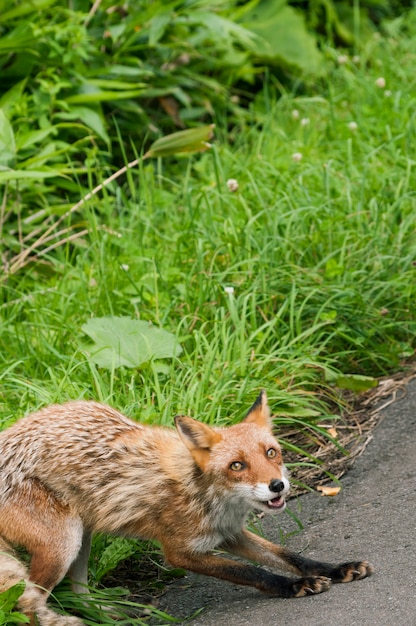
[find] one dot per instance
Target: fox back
(120, 476)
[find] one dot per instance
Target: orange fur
(70, 470)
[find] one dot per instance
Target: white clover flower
(229, 290)
(125, 267)
(342, 59)
(305, 121)
(297, 156)
(295, 114)
(232, 185)
(353, 126)
(380, 82)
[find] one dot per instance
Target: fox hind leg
(34, 518)
(52, 558)
(32, 602)
(78, 572)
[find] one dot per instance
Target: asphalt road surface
(373, 518)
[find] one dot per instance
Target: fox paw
(310, 585)
(50, 618)
(347, 572)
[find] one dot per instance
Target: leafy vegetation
(8, 600)
(121, 341)
(282, 257)
(77, 77)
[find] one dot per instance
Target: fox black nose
(276, 485)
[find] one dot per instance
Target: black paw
(310, 585)
(347, 572)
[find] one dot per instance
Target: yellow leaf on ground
(328, 491)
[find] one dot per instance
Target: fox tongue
(276, 502)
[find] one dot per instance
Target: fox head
(245, 460)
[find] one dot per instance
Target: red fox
(70, 470)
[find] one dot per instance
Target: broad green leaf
(190, 140)
(13, 618)
(102, 96)
(20, 38)
(6, 175)
(296, 411)
(122, 341)
(7, 141)
(225, 31)
(158, 26)
(105, 83)
(116, 31)
(32, 137)
(9, 598)
(129, 71)
(282, 36)
(90, 118)
(13, 95)
(118, 550)
(23, 8)
(355, 382)
(333, 268)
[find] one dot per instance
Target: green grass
(320, 254)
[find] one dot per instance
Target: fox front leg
(255, 548)
(250, 575)
(340, 573)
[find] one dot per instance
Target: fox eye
(271, 453)
(237, 466)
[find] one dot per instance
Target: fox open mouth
(276, 503)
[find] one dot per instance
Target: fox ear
(196, 435)
(198, 438)
(259, 413)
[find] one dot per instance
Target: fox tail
(32, 601)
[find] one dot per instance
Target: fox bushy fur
(71, 470)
